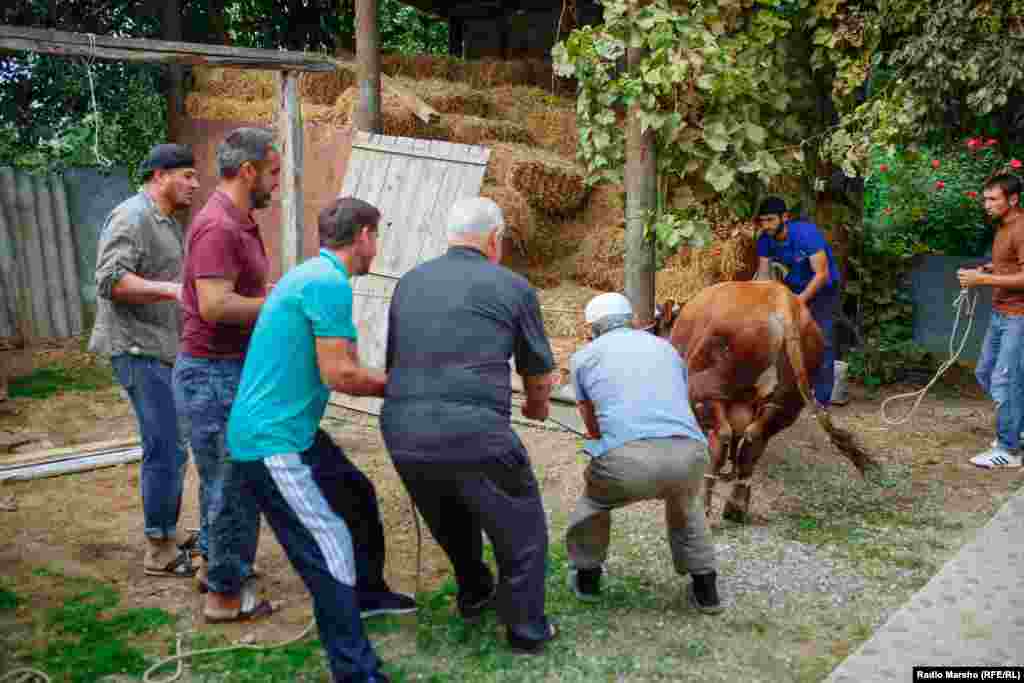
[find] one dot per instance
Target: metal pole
(641, 197)
(368, 116)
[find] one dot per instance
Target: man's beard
(260, 198)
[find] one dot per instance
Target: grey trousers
(671, 470)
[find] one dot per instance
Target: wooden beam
(292, 204)
(63, 43)
(368, 111)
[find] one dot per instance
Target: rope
(100, 159)
(24, 675)
(180, 656)
(966, 302)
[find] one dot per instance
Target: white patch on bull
(769, 379)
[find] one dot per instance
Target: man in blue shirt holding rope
(812, 275)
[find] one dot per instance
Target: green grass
(53, 379)
(88, 635)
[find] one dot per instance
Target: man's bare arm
(589, 416)
(132, 289)
(538, 396)
(764, 268)
(819, 262)
(338, 361)
(219, 303)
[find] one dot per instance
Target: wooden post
(175, 95)
(641, 198)
(292, 204)
(368, 113)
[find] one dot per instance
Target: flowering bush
(922, 200)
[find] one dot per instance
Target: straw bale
(472, 130)
(449, 98)
(504, 155)
(324, 88)
(519, 219)
(517, 102)
(396, 119)
(215, 108)
(555, 187)
(554, 129)
(600, 261)
(237, 84)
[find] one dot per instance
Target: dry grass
(520, 222)
(555, 130)
(472, 130)
(450, 98)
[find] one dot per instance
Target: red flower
(935, 163)
(887, 211)
(884, 168)
(939, 185)
(974, 143)
(972, 194)
(990, 142)
(1016, 163)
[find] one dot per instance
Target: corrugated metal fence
(39, 281)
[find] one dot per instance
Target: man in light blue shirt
(322, 508)
(631, 388)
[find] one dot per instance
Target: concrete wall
(934, 288)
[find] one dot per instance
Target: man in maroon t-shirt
(223, 289)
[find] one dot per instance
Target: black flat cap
(167, 157)
(772, 205)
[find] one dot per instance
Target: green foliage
(8, 599)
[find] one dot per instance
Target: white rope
(100, 159)
(25, 676)
(965, 303)
(180, 656)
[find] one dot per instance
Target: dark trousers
(319, 547)
(352, 497)
(458, 502)
(823, 309)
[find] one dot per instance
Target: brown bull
(751, 348)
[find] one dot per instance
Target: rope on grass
(964, 305)
(180, 657)
(25, 675)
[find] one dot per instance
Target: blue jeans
(999, 373)
(823, 310)
(163, 431)
(318, 544)
(229, 531)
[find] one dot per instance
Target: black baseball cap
(167, 157)
(772, 205)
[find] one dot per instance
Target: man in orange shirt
(999, 368)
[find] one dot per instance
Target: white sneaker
(996, 458)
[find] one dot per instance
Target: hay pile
(479, 74)
(691, 270)
(472, 130)
(520, 222)
(396, 119)
(235, 84)
(450, 98)
(548, 181)
(554, 129)
(259, 112)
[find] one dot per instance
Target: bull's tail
(842, 439)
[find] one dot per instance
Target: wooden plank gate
(414, 183)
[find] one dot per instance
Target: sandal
(180, 567)
(250, 609)
(191, 544)
(204, 587)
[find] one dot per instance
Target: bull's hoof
(735, 513)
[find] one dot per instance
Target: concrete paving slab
(970, 614)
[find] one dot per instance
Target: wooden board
(19, 459)
(413, 183)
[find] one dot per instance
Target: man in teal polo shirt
(322, 509)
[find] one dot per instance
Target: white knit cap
(604, 305)
(474, 216)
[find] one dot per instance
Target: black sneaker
(472, 606)
(527, 646)
(374, 604)
(703, 593)
(586, 583)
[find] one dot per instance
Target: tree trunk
(641, 199)
(368, 115)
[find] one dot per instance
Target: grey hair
(610, 322)
(474, 217)
(242, 145)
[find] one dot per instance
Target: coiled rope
(964, 304)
